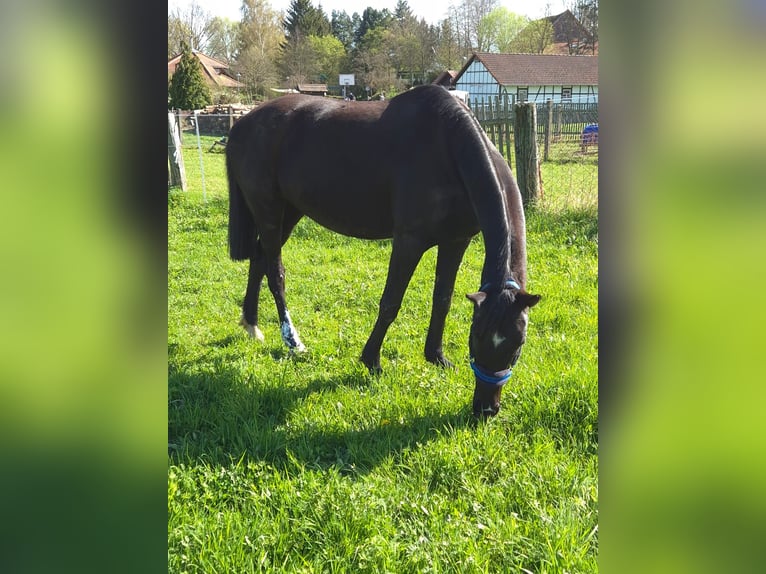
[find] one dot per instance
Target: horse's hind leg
(405, 256)
(272, 239)
(250, 306)
(447, 264)
(258, 268)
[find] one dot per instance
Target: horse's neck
(496, 230)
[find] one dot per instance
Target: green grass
(309, 464)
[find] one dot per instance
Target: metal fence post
(201, 163)
(548, 129)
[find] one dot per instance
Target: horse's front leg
(406, 252)
(447, 264)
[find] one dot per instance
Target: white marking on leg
(252, 330)
(290, 335)
(497, 339)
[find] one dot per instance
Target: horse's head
(498, 331)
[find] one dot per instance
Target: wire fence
(566, 131)
(567, 138)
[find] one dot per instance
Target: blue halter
(501, 377)
(509, 284)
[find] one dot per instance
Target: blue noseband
(499, 378)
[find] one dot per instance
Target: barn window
(522, 94)
(566, 93)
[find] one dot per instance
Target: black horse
(424, 173)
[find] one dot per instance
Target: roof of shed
(312, 88)
(538, 69)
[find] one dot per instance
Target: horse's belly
(351, 212)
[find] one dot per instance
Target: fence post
(548, 129)
(231, 117)
(175, 154)
(527, 159)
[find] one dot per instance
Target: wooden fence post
(175, 154)
(527, 159)
(231, 117)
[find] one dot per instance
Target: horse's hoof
(372, 365)
(298, 349)
(252, 330)
(440, 361)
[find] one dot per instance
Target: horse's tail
(241, 225)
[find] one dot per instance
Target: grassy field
(310, 464)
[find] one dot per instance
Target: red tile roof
(215, 71)
(538, 69)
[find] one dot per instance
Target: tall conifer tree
(187, 89)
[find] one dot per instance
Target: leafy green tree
(465, 18)
(499, 28)
(372, 60)
(449, 55)
(224, 39)
(413, 45)
(302, 21)
(372, 19)
(536, 38)
(188, 90)
(260, 37)
(329, 55)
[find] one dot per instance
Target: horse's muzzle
(486, 399)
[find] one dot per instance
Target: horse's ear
(477, 298)
(528, 300)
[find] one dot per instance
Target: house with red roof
(529, 77)
(216, 73)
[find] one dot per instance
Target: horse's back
(359, 168)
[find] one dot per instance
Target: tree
(449, 54)
(372, 60)
(191, 26)
(586, 12)
(536, 38)
(302, 21)
(499, 28)
(413, 45)
(188, 90)
(372, 19)
(342, 27)
(466, 18)
(329, 54)
(223, 43)
(260, 37)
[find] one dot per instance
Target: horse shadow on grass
(220, 416)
